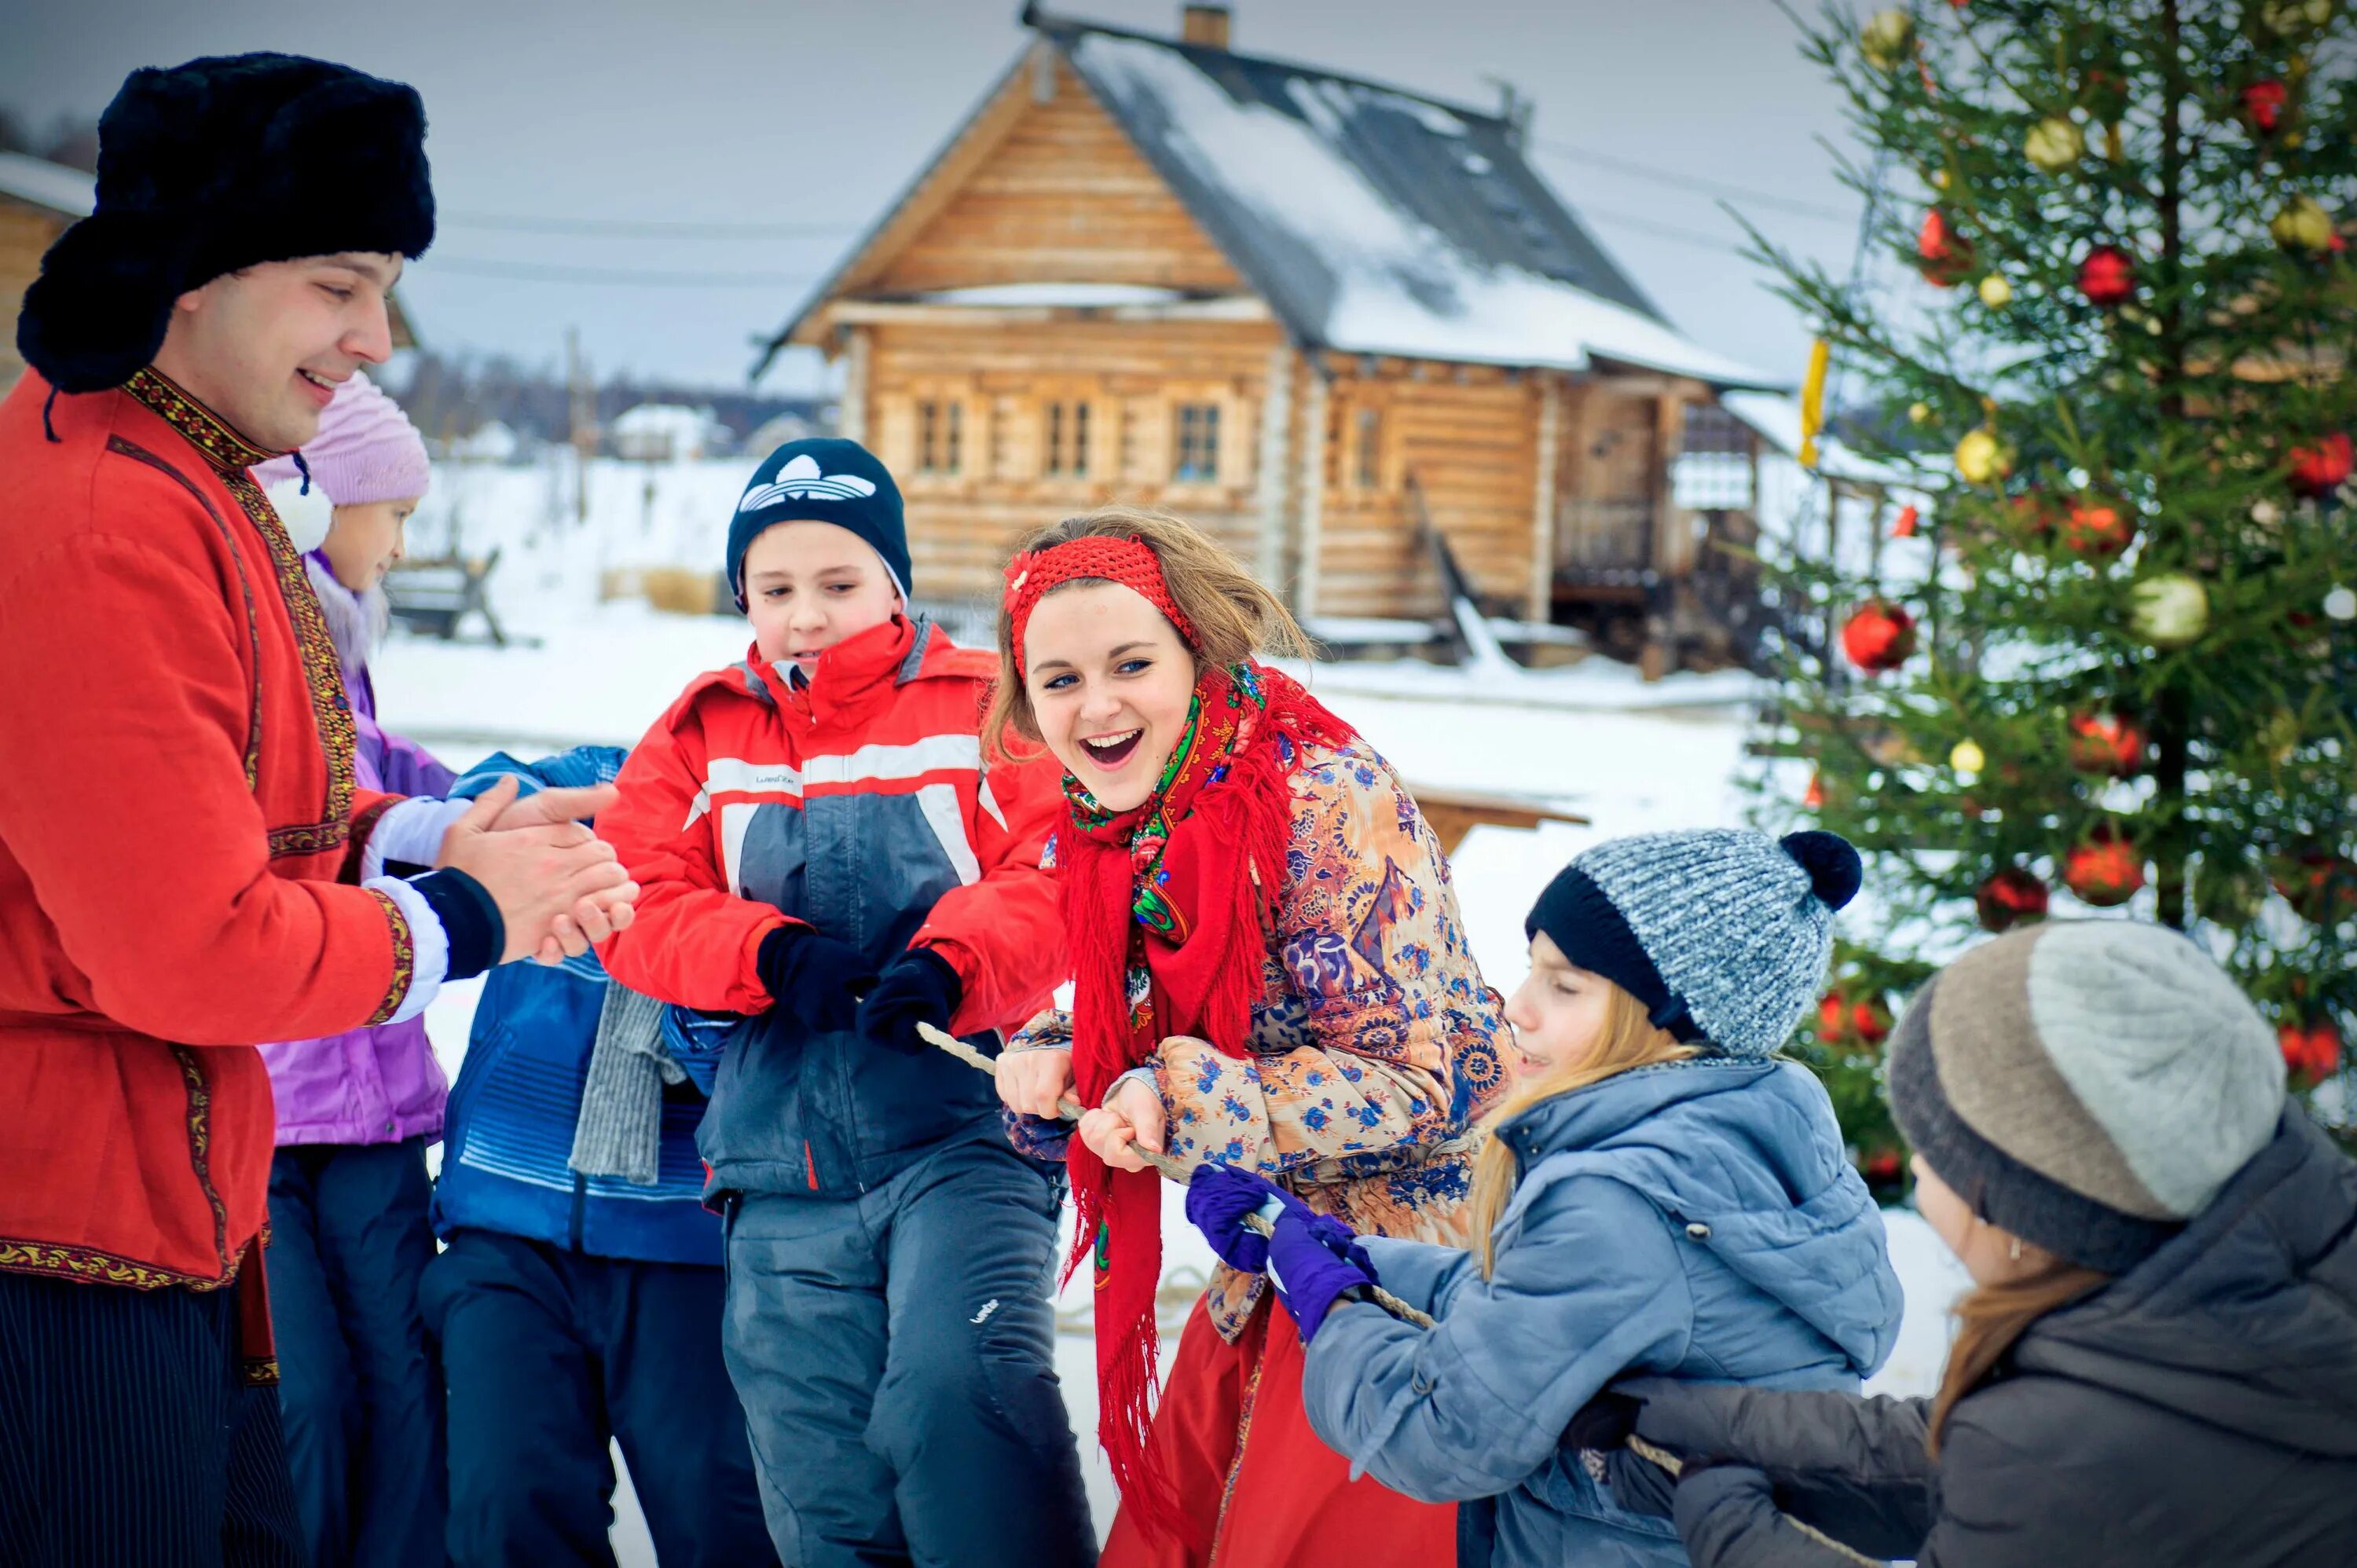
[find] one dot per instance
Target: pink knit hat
(366, 450)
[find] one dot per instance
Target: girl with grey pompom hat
(1661, 1194)
(2157, 1366)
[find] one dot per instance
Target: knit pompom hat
(366, 450)
(1724, 935)
(2088, 1085)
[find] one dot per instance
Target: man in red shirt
(187, 866)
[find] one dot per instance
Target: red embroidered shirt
(176, 810)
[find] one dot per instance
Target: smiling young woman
(1269, 969)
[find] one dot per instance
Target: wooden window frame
(1206, 444)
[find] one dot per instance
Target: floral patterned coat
(1374, 1046)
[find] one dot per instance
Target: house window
(1198, 443)
(939, 436)
(1368, 452)
(1068, 439)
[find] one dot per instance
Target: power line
(1661, 230)
(665, 227)
(1696, 183)
(527, 272)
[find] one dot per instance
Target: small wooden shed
(38, 201)
(1323, 316)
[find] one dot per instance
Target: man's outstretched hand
(551, 808)
(558, 885)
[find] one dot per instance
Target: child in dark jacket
(1660, 1193)
(578, 1298)
(820, 850)
(2158, 1364)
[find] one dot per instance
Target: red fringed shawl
(1167, 908)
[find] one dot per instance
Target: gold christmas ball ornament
(1982, 458)
(1967, 756)
(2171, 610)
(1885, 37)
(1918, 413)
(2286, 17)
(1996, 293)
(2054, 144)
(2303, 225)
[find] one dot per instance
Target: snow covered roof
(1372, 220)
(45, 184)
(1777, 418)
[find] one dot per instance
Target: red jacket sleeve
(1003, 932)
(691, 940)
(122, 796)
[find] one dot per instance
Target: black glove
(1727, 1515)
(813, 978)
(918, 988)
(1604, 1422)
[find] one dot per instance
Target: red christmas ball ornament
(1844, 1021)
(2107, 276)
(2320, 886)
(2099, 526)
(2312, 1052)
(2319, 470)
(2106, 743)
(1881, 1167)
(1879, 637)
(1904, 525)
(1943, 256)
(2105, 869)
(2010, 896)
(2263, 105)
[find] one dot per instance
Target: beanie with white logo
(821, 480)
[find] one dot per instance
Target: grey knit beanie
(2086, 1085)
(1722, 933)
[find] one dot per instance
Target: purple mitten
(1313, 1261)
(1219, 1198)
(1037, 1137)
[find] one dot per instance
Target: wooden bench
(1453, 813)
(434, 595)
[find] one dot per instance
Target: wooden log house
(1320, 316)
(38, 201)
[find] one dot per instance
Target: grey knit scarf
(619, 1131)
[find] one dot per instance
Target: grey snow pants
(894, 1354)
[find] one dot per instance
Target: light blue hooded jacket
(1697, 1219)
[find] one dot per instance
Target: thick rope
(1180, 1172)
(1176, 1170)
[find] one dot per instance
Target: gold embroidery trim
(94, 1267)
(231, 455)
(200, 1150)
(404, 959)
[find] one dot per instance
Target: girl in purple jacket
(358, 1392)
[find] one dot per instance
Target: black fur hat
(213, 166)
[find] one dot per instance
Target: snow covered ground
(1589, 738)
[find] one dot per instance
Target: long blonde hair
(1628, 1040)
(1235, 614)
(1991, 1317)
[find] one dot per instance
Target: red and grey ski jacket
(857, 803)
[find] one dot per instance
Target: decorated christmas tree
(2103, 655)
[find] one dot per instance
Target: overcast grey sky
(793, 112)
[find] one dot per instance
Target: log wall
(1062, 198)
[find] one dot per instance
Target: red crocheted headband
(1129, 562)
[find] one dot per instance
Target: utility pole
(581, 422)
